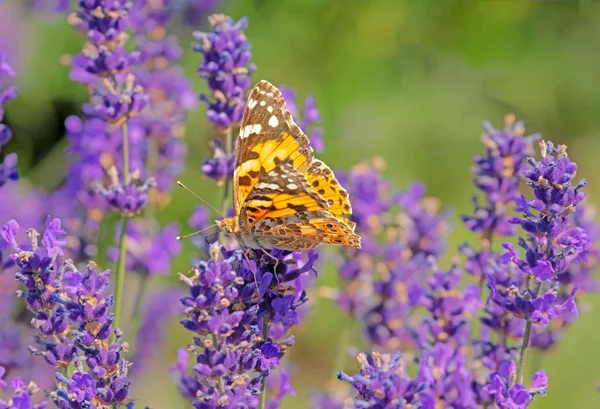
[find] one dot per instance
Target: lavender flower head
(8, 168)
(552, 244)
(105, 66)
(497, 176)
(226, 68)
(73, 320)
(230, 312)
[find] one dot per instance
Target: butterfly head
(228, 225)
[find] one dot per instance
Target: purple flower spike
(229, 306)
(497, 177)
(227, 69)
(73, 318)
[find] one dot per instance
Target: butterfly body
(283, 197)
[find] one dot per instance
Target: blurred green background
(410, 81)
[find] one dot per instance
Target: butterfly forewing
(268, 136)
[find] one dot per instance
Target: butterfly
(283, 197)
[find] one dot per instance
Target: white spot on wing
(269, 108)
(273, 121)
(262, 103)
(250, 129)
(292, 186)
(270, 186)
(252, 103)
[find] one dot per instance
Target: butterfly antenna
(202, 200)
(195, 233)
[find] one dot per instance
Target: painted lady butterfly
(283, 198)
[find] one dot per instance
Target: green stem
(525, 344)
(120, 274)
(123, 238)
(262, 399)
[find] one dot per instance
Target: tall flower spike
(72, 315)
(551, 244)
(103, 148)
(497, 176)
(226, 68)
(234, 349)
(8, 168)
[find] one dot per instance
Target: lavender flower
(310, 117)
(552, 243)
(497, 176)
(231, 313)
(73, 320)
(226, 68)
(8, 168)
(105, 66)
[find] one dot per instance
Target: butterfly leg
(277, 261)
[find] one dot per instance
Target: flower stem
(525, 344)
(123, 237)
(262, 399)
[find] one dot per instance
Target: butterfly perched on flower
(283, 197)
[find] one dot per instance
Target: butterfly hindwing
(268, 136)
(304, 231)
(321, 180)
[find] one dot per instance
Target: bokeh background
(409, 81)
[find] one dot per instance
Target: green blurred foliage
(407, 80)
